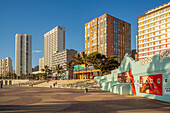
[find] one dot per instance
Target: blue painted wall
(157, 66)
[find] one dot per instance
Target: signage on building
(167, 90)
(146, 60)
(165, 54)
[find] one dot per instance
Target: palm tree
(46, 69)
(69, 66)
(85, 61)
(59, 69)
(102, 63)
(77, 59)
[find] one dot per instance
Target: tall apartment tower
(109, 36)
(153, 34)
(54, 40)
(23, 54)
(6, 66)
(41, 63)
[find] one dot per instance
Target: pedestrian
(1, 84)
(54, 84)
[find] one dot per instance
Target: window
(156, 28)
(162, 11)
(150, 53)
(145, 45)
(150, 20)
(145, 36)
(150, 29)
(158, 80)
(156, 13)
(162, 16)
(162, 46)
(163, 36)
(168, 19)
(156, 23)
(162, 26)
(150, 15)
(150, 44)
(140, 19)
(168, 40)
(151, 81)
(163, 31)
(168, 45)
(162, 41)
(150, 48)
(140, 37)
(162, 21)
(140, 23)
(157, 47)
(156, 18)
(150, 39)
(145, 27)
(145, 49)
(157, 52)
(144, 31)
(145, 17)
(145, 22)
(168, 9)
(150, 34)
(150, 25)
(156, 38)
(156, 43)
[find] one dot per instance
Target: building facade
(109, 36)
(54, 40)
(148, 77)
(5, 66)
(63, 57)
(36, 68)
(153, 34)
(23, 54)
(41, 63)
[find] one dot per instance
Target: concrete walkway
(34, 99)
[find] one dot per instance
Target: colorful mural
(146, 78)
(151, 84)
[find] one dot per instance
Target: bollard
(86, 90)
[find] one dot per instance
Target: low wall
(7, 81)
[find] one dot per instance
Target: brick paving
(18, 99)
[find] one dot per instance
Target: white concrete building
(153, 34)
(41, 63)
(23, 54)
(54, 40)
(6, 66)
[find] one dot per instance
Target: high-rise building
(36, 68)
(6, 66)
(41, 63)
(108, 35)
(54, 40)
(153, 34)
(63, 57)
(23, 54)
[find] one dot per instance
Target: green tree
(59, 69)
(77, 59)
(69, 66)
(102, 63)
(46, 69)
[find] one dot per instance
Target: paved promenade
(18, 99)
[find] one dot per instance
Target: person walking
(1, 84)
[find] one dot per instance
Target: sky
(37, 17)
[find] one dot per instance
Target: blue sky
(37, 17)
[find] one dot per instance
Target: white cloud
(37, 51)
